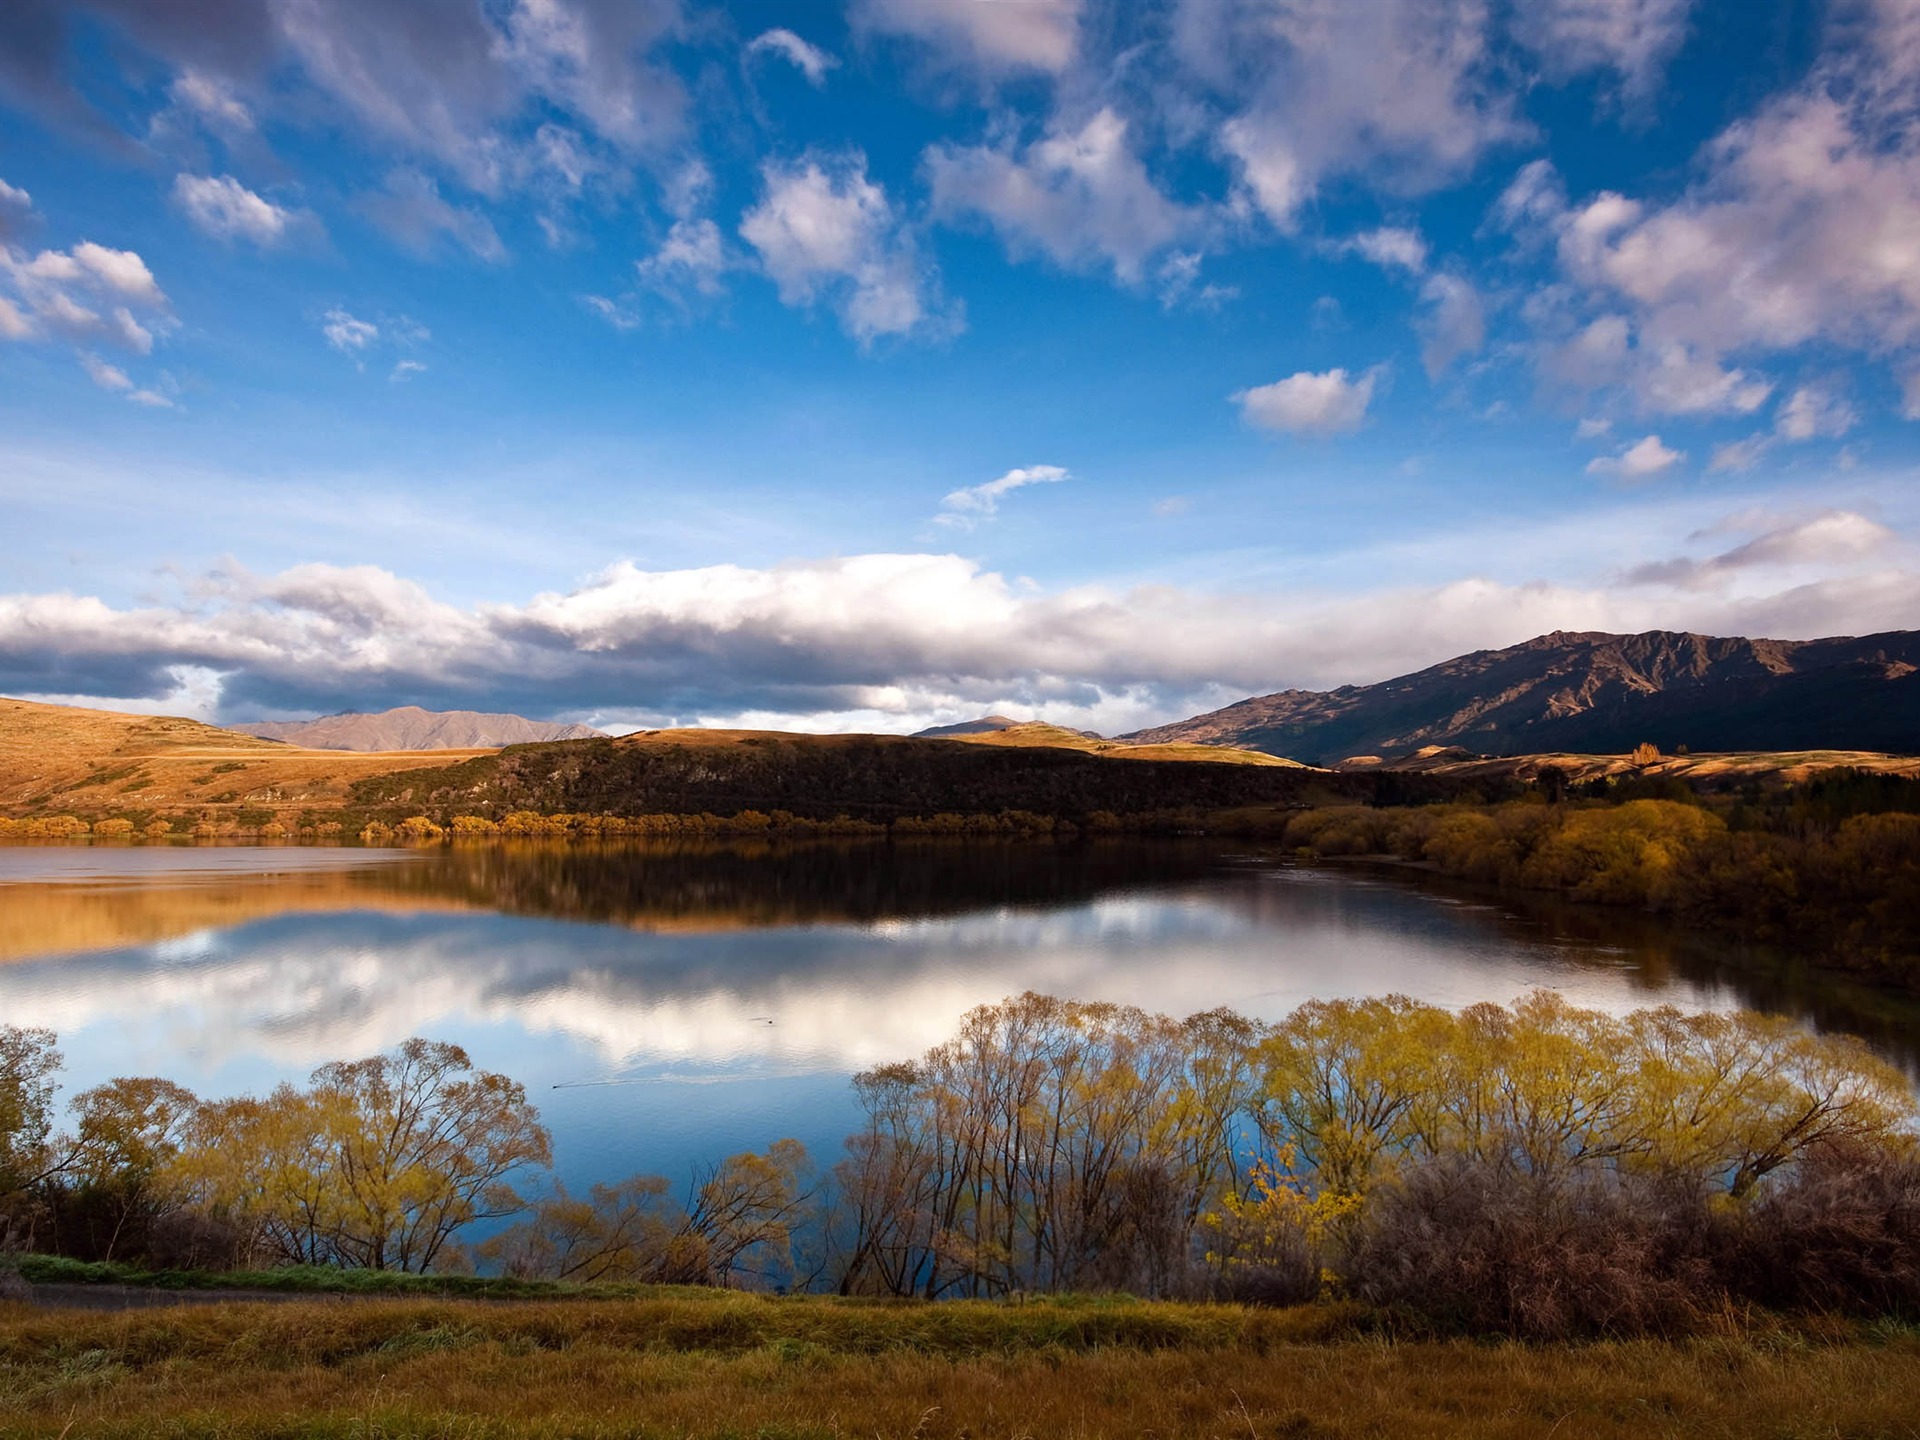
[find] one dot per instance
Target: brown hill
(1061, 738)
(102, 762)
(1599, 693)
(411, 728)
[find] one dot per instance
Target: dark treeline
(1830, 867)
(1536, 1169)
(869, 778)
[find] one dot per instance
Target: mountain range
(1598, 693)
(411, 728)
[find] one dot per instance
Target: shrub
(1480, 1247)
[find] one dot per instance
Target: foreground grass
(720, 1365)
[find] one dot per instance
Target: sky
(869, 364)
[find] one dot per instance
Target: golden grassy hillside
(1784, 766)
(93, 762)
(1057, 738)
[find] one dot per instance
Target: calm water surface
(668, 1006)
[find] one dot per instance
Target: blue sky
(873, 364)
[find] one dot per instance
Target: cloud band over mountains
(889, 641)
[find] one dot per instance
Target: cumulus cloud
(975, 503)
(1642, 460)
(998, 37)
(1391, 247)
(1327, 403)
(822, 229)
(1800, 230)
(86, 295)
(1661, 378)
(809, 60)
(895, 638)
(1078, 196)
(1398, 91)
(225, 209)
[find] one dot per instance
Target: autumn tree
(28, 1157)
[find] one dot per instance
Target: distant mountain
(1599, 694)
(994, 725)
(985, 725)
(411, 728)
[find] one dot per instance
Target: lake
(668, 1006)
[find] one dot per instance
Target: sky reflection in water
(632, 991)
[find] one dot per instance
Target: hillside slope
(410, 728)
(1599, 693)
(57, 758)
(866, 777)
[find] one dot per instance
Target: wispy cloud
(967, 508)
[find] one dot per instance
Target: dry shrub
(1841, 1235)
(1481, 1248)
(1340, 830)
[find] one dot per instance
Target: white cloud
(1814, 412)
(1078, 196)
(1642, 460)
(227, 210)
(907, 636)
(212, 101)
(1400, 92)
(1803, 228)
(16, 211)
(107, 377)
(1635, 38)
(1178, 282)
(1592, 428)
(1832, 537)
(1454, 323)
(823, 229)
(1663, 379)
(1328, 403)
(1391, 247)
(1739, 456)
(86, 296)
(404, 370)
(995, 36)
(615, 312)
(411, 209)
(693, 256)
(346, 334)
(810, 60)
(975, 503)
(1910, 395)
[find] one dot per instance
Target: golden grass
(92, 762)
(1785, 766)
(748, 1366)
(1054, 737)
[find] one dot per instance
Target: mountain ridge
(1599, 692)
